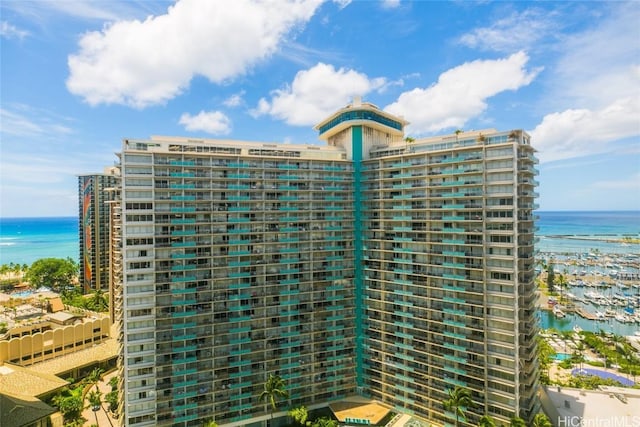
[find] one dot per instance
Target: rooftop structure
(608, 406)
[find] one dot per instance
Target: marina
(601, 290)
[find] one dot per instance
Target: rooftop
(607, 406)
(16, 411)
(98, 353)
(18, 381)
(363, 410)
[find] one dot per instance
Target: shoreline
(633, 239)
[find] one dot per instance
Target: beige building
(48, 338)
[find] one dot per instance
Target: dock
(583, 313)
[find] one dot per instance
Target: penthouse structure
(375, 265)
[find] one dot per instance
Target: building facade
(94, 193)
(374, 265)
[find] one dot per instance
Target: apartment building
(94, 191)
(373, 265)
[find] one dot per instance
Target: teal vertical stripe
(356, 145)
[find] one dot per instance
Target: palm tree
(459, 400)
(562, 283)
(95, 402)
(299, 415)
(550, 277)
(627, 355)
(579, 352)
(325, 422)
(517, 422)
(486, 421)
(274, 389)
(70, 404)
(541, 420)
(98, 301)
(94, 377)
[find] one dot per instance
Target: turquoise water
(25, 240)
(618, 223)
(562, 356)
(590, 224)
(548, 320)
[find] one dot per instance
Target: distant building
(376, 265)
(94, 191)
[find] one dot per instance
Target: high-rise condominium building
(94, 193)
(386, 267)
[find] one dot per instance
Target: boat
(600, 315)
(609, 312)
(558, 312)
(577, 329)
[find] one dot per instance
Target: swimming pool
(562, 356)
(22, 294)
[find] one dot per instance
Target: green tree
(562, 283)
(112, 399)
(94, 376)
(579, 351)
(551, 276)
(629, 358)
(458, 402)
(210, 423)
(546, 354)
(70, 404)
(95, 402)
(274, 389)
(517, 422)
(54, 273)
(324, 422)
(486, 421)
(300, 415)
(113, 382)
(541, 420)
(98, 301)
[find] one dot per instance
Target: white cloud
(141, 63)
(315, 93)
(631, 183)
(41, 123)
(234, 100)
(213, 122)
(594, 91)
(9, 31)
(42, 11)
(581, 132)
(390, 4)
(461, 93)
(601, 64)
(520, 30)
(342, 3)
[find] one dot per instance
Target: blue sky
(79, 76)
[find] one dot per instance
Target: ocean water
(576, 232)
(592, 223)
(24, 240)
